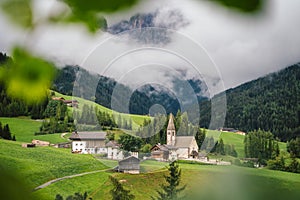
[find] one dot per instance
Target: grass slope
(236, 140)
(202, 182)
(41, 164)
(24, 129)
(137, 120)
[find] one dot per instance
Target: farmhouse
(70, 103)
(113, 151)
(232, 130)
(129, 165)
(177, 147)
(88, 142)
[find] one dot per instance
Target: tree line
(262, 146)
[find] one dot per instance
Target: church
(177, 147)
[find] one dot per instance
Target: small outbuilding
(129, 165)
(40, 143)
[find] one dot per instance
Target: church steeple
(171, 131)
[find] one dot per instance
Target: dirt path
(63, 135)
(66, 177)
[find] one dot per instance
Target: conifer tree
(118, 192)
(171, 190)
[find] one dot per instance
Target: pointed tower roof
(171, 125)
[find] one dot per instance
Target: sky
(216, 43)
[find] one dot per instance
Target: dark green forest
(271, 103)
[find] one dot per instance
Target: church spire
(171, 132)
(171, 125)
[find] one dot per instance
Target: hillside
(141, 99)
(41, 164)
(269, 103)
(136, 119)
(24, 129)
(203, 182)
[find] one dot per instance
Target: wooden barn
(129, 165)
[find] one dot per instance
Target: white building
(94, 143)
(88, 142)
(113, 151)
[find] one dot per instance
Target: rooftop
(183, 141)
(88, 135)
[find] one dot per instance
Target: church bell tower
(171, 132)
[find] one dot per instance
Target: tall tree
(171, 190)
(130, 143)
(6, 132)
(200, 136)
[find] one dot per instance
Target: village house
(88, 142)
(129, 165)
(177, 147)
(113, 151)
(95, 143)
(70, 103)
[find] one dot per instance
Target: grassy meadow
(24, 128)
(202, 182)
(41, 164)
(236, 140)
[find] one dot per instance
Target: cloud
(243, 47)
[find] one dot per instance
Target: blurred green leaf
(87, 12)
(242, 5)
(19, 11)
(27, 77)
(80, 6)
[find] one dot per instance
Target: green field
(202, 182)
(236, 140)
(41, 164)
(24, 129)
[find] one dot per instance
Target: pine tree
(6, 132)
(118, 192)
(171, 190)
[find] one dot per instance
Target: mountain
(269, 103)
(138, 27)
(73, 80)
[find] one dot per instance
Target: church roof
(183, 141)
(171, 125)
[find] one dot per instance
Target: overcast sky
(217, 42)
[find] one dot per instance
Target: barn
(129, 165)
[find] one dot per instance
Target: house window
(80, 144)
(76, 144)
